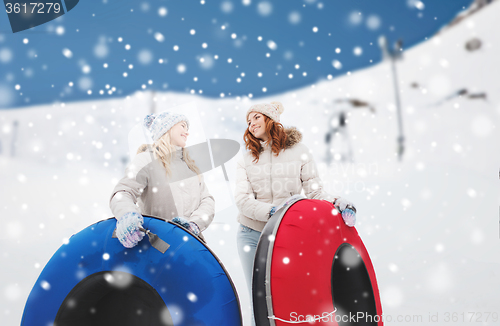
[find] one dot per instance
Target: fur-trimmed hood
(293, 137)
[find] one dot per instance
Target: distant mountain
(474, 7)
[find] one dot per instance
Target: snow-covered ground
(429, 221)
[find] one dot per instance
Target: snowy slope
(429, 222)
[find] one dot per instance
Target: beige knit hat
(272, 110)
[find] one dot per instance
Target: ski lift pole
(401, 139)
(393, 56)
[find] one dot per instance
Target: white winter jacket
(273, 179)
(183, 193)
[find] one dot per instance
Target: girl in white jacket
(164, 181)
(274, 170)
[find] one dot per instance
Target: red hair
(275, 134)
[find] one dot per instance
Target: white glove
(127, 229)
(191, 226)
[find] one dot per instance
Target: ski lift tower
(393, 56)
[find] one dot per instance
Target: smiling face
(257, 125)
(179, 134)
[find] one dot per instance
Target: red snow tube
(309, 264)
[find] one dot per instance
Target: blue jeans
(247, 240)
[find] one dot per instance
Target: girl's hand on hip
(287, 202)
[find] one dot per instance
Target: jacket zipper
(271, 174)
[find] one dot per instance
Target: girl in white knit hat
(164, 181)
(272, 173)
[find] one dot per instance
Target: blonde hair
(164, 150)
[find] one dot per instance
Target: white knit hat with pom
(273, 110)
(162, 122)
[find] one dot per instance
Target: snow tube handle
(155, 241)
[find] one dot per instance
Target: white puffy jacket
(273, 179)
(146, 183)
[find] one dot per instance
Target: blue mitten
(347, 209)
(127, 229)
(272, 211)
(291, 200)
(349, 217)
(191, 226)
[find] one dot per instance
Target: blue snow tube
(94, 280)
